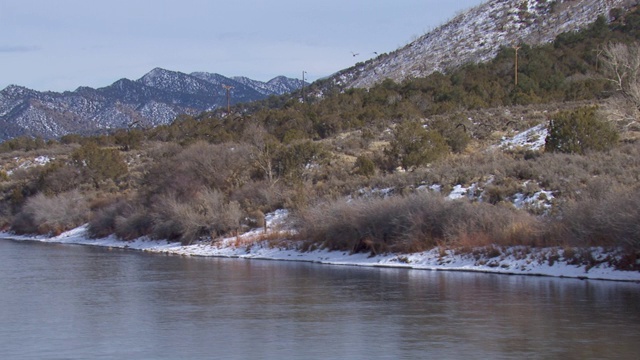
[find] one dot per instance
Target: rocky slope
(476, 35)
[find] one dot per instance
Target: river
(81, 302)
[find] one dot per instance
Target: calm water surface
(77, 302)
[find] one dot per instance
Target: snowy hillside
(477, 34)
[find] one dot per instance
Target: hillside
(156, 98)
(476, 36)
(464, 162)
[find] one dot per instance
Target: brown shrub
(102, 221)
(222, 166)
(52, 215)
(610, 220)
(60, 178)
(414, 223)
(260, 195)
(206, 214)
(138, 223)
(121, 217)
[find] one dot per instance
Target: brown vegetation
(217, 174)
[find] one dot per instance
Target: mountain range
(154, 99)
(158, 97)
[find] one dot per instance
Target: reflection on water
(75, 302)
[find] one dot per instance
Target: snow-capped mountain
(279, 85)
(154, 99)
(476, 36)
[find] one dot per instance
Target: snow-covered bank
(540, 262)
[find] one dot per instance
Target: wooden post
(516, 48)
(228, 87)
(304, 72)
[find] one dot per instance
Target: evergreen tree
(579, 131)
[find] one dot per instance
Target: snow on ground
(532, 139)
(459, 192)
(28, 163)
(515, 261)
(541, 199)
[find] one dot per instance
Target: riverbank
(513, 261)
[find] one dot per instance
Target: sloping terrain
(476, 36)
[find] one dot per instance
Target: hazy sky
(62, 44)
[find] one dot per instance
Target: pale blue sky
(62, 44)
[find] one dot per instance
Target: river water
(79, 302)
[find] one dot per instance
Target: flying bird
(354, 54)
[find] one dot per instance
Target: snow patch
(532, 139)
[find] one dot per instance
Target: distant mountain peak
(157, 71)
(156, 98)
(172, 81)
(13, 90)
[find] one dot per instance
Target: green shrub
(22, 143)
(99, 164)
(414, 146)
(454, 131)
(579, 131)
(129, 139)
(295, 160)
(364, 166)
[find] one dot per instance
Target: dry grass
(52, 215)
(610, 219)
(414, 223)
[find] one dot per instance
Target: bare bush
(622, 65)
(103, 220)
(60, 179)
(52, 215)
(622, 68)
(262, 149)
(260, 195)
(413, 223)
(611, 219)
(206, 214)
(223, 166)
(122, 217)
(138, 223)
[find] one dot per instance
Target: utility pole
(516, 48)
(303, 72)
(228, 87)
